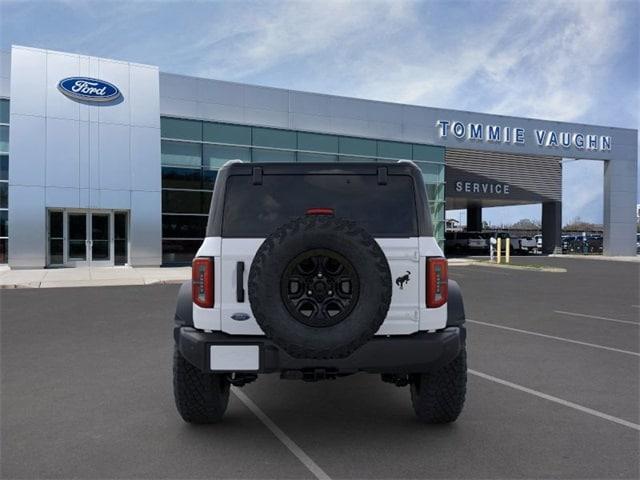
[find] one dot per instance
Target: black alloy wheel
(320, 287)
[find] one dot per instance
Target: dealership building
(108, 162)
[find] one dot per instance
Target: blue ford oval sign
(89, 89)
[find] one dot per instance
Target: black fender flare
(184, 307)
(455, 305)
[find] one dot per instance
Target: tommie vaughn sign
(88, 89)
(478, 132)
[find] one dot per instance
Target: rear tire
(200, 397)
(438, 396)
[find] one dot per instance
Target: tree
(526, 224)
(579, 225)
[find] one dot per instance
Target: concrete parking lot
(553, 391)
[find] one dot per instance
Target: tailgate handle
(240, 282)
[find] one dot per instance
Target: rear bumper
(420, 352)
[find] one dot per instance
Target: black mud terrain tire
(200, 397)
(330, 238)
(438, 396)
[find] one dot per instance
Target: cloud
(570, 60)
(538, 59)
(276, 34)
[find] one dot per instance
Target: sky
(558, 60)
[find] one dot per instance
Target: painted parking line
(562, 339)
(574, 314)
(280, 435)
(558, 400)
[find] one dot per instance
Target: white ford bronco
(318, 271)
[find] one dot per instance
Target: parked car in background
(466, 242)
(538, 248)
(582, 244)
(528, 245)
(514, 241)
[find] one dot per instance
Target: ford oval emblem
(89, 89)
(240, 317)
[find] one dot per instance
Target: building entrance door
(77, 239)
(101, 243)
(87, 238)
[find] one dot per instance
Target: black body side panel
(184, 306)
(455, 305)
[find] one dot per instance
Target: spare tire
(320, 287)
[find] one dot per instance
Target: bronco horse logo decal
(400, 281)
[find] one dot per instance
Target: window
(4, 179)
(4, 233)
(4, 139)
(179, 251)
(185, 201)
(358, 146)
(175, 177)
(215, 156)
(346, 158)
(4, 111)
(316, 157)
(184, 226)
(180, 153)
(77, 243)
(120, 245)
(394, 150)
(4, 167)
(271, 137)
(431, 172)
(182, 129)
(193, 151)
(437, 210)
(224, 133)
(428, 153)
(317, 143)
(4, 194)
(257, 210)
(435, 191)
(4, 220)
(209, 179)
(262, 155)
(56, 238)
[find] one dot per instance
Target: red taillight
(437, 282)
(202, 282)
(319, 211)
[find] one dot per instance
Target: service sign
(88, 89)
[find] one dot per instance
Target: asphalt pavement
(553, 391)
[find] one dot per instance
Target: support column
(551, 227)
(474, 218)
(620, 193)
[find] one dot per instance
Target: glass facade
(193, 151)
(4, 180)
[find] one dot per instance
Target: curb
(520, 267)
(604, 258)
(89, 284)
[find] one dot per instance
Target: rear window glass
(257, 210)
